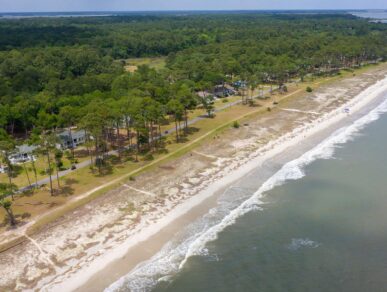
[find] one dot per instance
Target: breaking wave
(175, 254)
(298, 243)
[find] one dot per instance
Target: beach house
(71, 139)
(224, 90)
(23, 153)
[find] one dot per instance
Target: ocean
(317, 224)
(323, 232)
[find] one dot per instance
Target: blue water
(314, 223)
(373, 15)
(324, 232)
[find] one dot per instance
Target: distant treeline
(53, 67)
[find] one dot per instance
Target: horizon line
(198, 10)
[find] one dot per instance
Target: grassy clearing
(157, 63)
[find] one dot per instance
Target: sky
(149, 5)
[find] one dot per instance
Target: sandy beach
(94, 246)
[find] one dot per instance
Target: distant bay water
(19, 15)
(373, 15)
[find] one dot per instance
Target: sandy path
(86, 235)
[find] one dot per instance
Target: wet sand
(130, 224)
(146, 249)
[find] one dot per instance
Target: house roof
(225, 86)
(26, 148)
(203, 93)
(65, 135)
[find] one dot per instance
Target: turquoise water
(324, 232)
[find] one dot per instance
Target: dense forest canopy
(53, 66)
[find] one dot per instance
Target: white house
(23, 153)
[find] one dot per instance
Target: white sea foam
(174, 256)
(298, 243)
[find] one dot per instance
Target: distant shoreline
(59, 14)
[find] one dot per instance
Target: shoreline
(194, 207)
(130, 223)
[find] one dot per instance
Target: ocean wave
(298, 243)
(174, 256)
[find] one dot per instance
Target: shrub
(148, 157)
(309, 89)
(68, 155)
(236, 125)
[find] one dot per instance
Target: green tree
(95, 121)
(58, 164)
(208, 104)
(48, 142)
(7, 206)
(68, 117)
(189, 102)
(7, 146)
(176, 110)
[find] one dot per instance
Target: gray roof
(26, 148)
(76, 134)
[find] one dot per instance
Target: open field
(155, 63)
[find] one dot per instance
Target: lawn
(20, 177)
